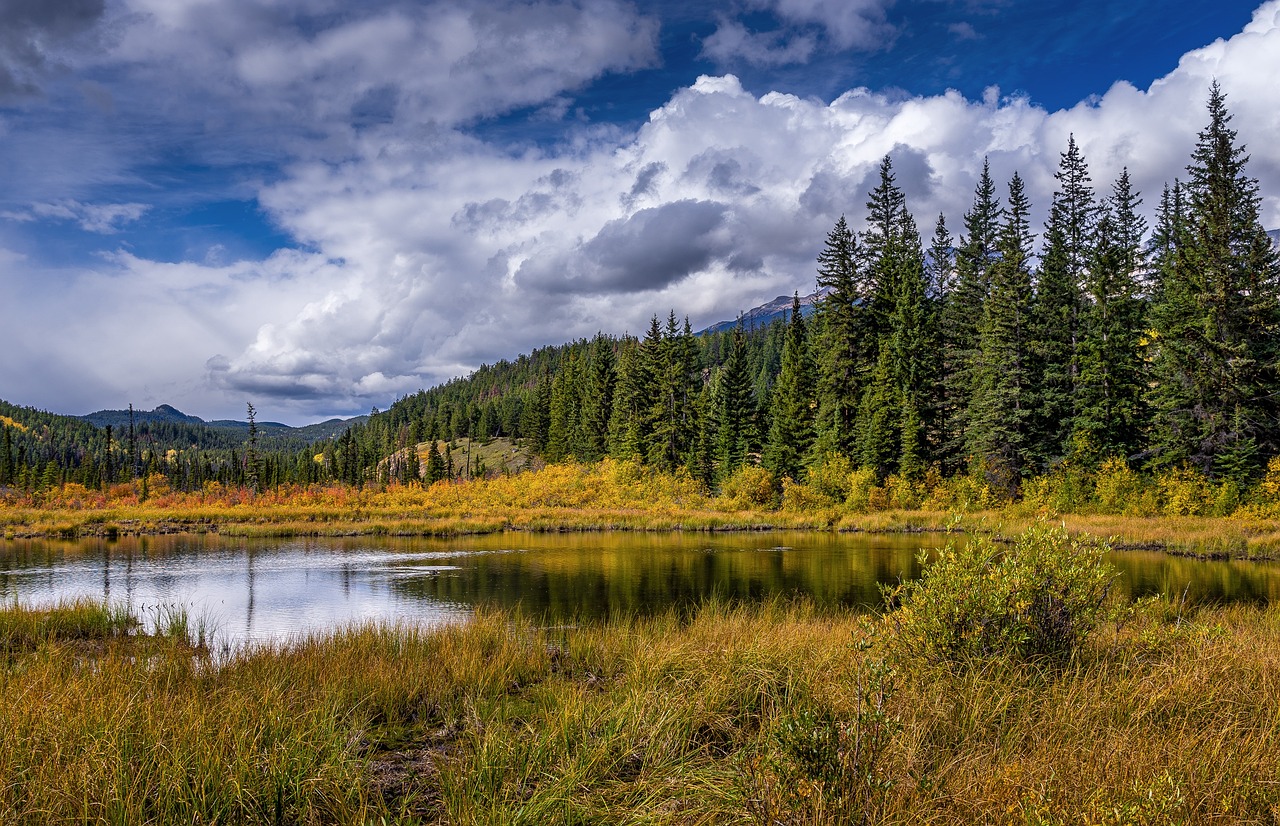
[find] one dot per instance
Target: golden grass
(673, 719)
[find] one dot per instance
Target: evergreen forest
(990, 350)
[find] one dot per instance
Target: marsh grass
(710, 715)
(24, 628)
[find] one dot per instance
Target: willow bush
(1037, 597)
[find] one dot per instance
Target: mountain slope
(167, 414)
(766, 314)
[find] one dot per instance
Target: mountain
(1275, 237)
(167, 414)
(766, 314)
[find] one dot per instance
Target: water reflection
(269, 589)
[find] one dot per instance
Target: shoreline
(1206, 538)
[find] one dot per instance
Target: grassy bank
(778, 714)
(1181, 513)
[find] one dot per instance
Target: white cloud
(844, 24)
(731, 41)
(105, 219)
(436, 251)
(438, 62)
(850, 24)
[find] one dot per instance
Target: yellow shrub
(903, 493)
(1183, 492)
(802, 498)
(830, 478)
(748, 488)
(862, 483)
(1117, 489)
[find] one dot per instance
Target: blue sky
(319, 206)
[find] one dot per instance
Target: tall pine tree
(963, 313)
(1055, 329)
(792, 414)
(1217, 321)
(1110, 409)
(1001, 405)
(842, 348)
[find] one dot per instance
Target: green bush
(1036, 598)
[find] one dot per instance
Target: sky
(319, 206)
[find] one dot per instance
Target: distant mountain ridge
(329, 429)
(1275, 237)
(766, 314)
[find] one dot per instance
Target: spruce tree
(881, 250)
(1110, 409)
(963, 314)
(1001, 403)
(1056, 324)
(941, 272)
(1217, 322)
(843, 351)
(597, 401)
(734, 407)
(913, 354)
(251, 449)
(628, 427)
(792, 413)
(435, 463)
(564, 412)
(675, 369)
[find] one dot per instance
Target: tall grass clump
(1038, 596)
(23, 628)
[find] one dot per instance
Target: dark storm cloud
(31, 34)
(647, 251)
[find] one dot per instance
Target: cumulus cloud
(431, 250)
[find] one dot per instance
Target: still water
(262, 590)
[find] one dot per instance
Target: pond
(267, 590)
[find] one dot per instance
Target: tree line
(998, 351)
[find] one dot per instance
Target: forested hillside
(996, 350)
(992, 350)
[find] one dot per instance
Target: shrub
(862, 490)
(1037, 598)
(1184, 492)
(750, 487)
(1066, 490)
(817, 766)
(799, 497)
(830, 478)
(903, 493)
(1117, 489)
